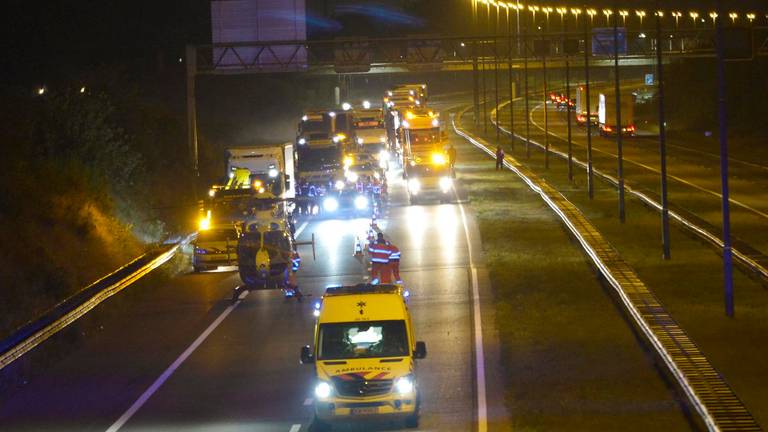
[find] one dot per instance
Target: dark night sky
(53, 39)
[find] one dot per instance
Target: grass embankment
(690, 285)
(78, 175)
(571, 361)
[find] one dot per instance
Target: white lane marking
(482, 407)
(172, 368)
(295, 428)
(308, 401)
(300, 229)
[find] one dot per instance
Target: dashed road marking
(295, 428)
(308, 401)
(172, 368)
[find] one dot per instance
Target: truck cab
(364, 356)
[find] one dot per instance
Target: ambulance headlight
(330, 204)
(446, 183)
(339, 184)
(272, 172)
(323, 390)
(404, 385)
(414, 185)
(361, 202)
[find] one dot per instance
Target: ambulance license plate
(365, 411)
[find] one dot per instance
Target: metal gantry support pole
(590, 168)
(662, 144)
(619, 133)
(546, 117)
(723, 133)
(191, 54)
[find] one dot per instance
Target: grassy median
(570, 359)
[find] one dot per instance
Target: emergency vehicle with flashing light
(364, 354)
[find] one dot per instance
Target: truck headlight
(361, 202)
(330, 204)
(323, 390)
(414, 185)
(302, 141)
(360, 141)
(404, 385)
(272, 172)
(446, 183)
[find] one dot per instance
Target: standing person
(499, 158)
(379, 253)
(451, 156)
(394, 262)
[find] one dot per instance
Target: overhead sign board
(603, 41)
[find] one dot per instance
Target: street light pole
(511, 83)
(590, 168)
(191, 58)
(496, 72)
(527, 109)
(662, 144)
(546, 118)
(568, 104)
(617, 89)
(723, 126)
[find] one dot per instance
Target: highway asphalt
(181, 355)
(178, 354)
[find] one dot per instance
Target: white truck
(606, 113)
(271, 165)
(582, 106)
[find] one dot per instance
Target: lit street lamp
(733, 16)
(640, 14)
(591, 13)
(576, 12)
(562, 11)
(677, 15)
(607, 13)
(694, 15)
(751, 17)
(624, 14)
(713, 15)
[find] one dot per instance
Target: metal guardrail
(748, 259)
(65, 313)
(707, 391)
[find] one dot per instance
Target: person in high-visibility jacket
(379, 252)
(394, 262)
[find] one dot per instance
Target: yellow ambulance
(364, 356)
